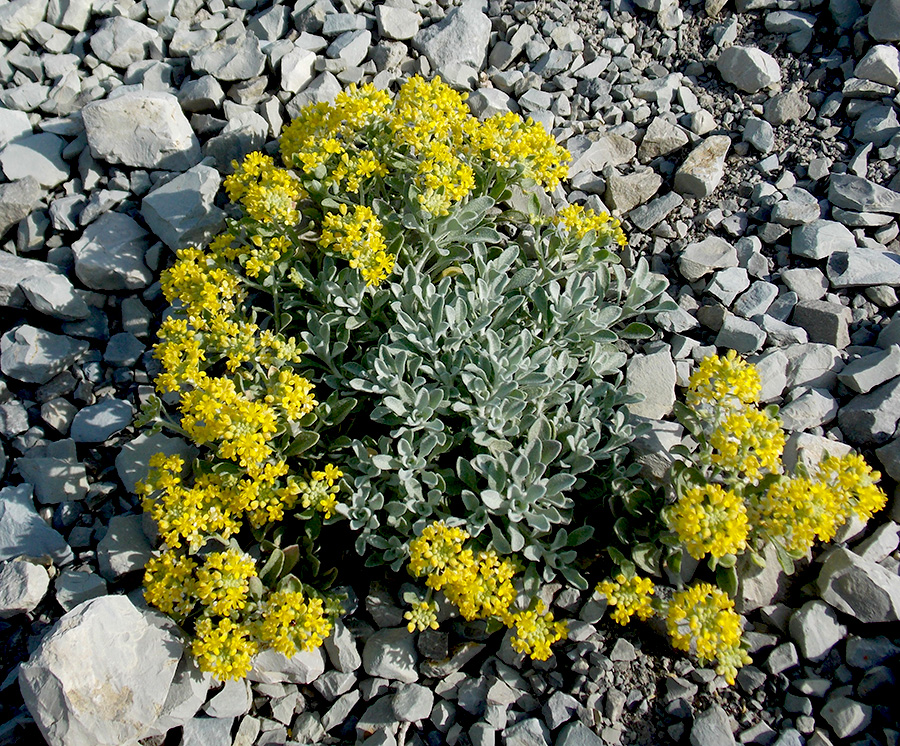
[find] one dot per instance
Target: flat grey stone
(880, 64)
(741, 335)
(824, 322)
(461, 37)
(846, 716)
(234, 699)
(55, 472)
(121, 42)
(862, 589)
(871, 419)
(97, 422)
(889, 455)
(17, 200)
(231, 59)
(110, 254)
(701, 258)
(304, 667)
(15, 270)
(23, 586)
(652, 376)
(760, 134)
(412, 703)
(867, 652)
(20, 16)
(32, 355)
(38, 156)
(862, 195)
(73, 588)
(816, 630)
(704, 168)
(181, 212)
(661, 138)
(884, 20)
(712, 728)
(863, 267)
(13, 126)
(23, 533)
(124, 549)
(391, 654)
(163, 139)
(820, 239)
(789, 106)
(877, 126)
(298, 68)
(123, 350)
(869, 371)
(527, 732)
(748, 68)
(813, 408)
(624, 193)
(87, 687)
(578, 734)
(206, 731)
(397, 23)
(54, 296)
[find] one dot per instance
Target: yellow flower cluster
(425, 135)
(702, 620)
(536, 631)
(630, 597)
(223, 581)
(854, 484)
(292, 622)
(580, 221)
(743, 445)
(422, 616)
(480, 585)
(710, 519)
(187, 515)
(728, 381)
(223, 648)
(169, 584)
(358, 237)
(268, 194)
(748, 442)
(797, 511)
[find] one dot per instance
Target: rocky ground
(753, 151)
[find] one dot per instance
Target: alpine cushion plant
(379, 336)
(729, 495)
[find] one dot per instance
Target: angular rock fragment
(141, 129)
(84, 685)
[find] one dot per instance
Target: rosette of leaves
(487, 388)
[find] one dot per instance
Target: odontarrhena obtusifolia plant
(378, 336)
(730, 495)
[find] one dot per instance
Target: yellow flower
(580, 221)
(853, 483)
(292, 622)
(702, 620)
(748, 442)
(630, 597)
(169, 583)
(224, 649)
(223, 582)
(797, 511)
(422, 616)
(536, 631)
(729, 381)
(710, 519)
